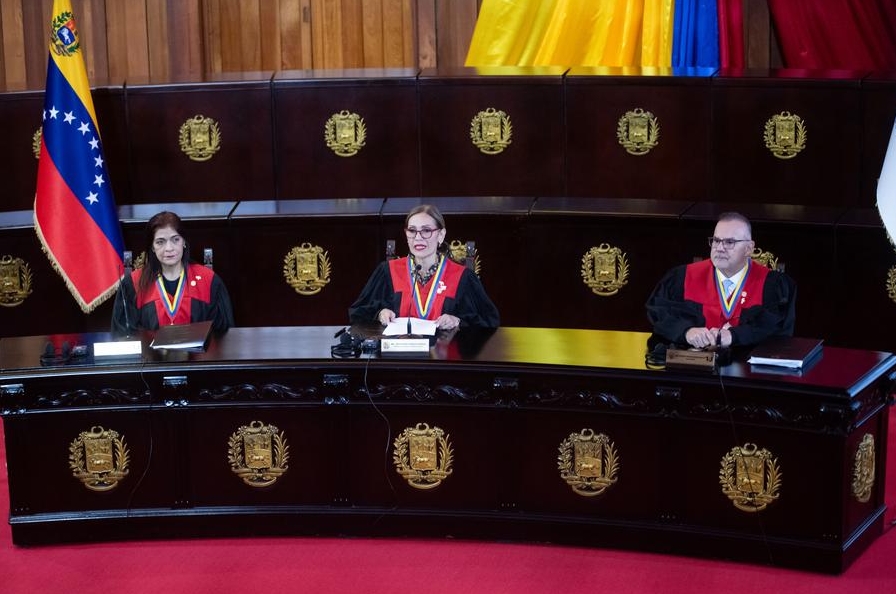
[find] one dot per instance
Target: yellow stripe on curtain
(573, 33)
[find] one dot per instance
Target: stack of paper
(415, 326)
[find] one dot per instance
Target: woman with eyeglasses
(727, 300)
(169, 288)
(426, 283)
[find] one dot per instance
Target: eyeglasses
(727, 243)
(425, 232)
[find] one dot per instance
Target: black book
(786, 351)
(182, 336)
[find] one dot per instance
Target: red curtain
(731, 33)
(836, 34)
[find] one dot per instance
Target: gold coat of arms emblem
(491, 131)
(750, 477)
(258, 454)
(307, 269)
(638, 131)
(200, 138)
(891, 283)
(588, 462)
(767, 259)
(422, 456)
(785, 135)
(605, 269)
(99, 458)
(15, 281)
(863, 470)
(345, 133)
(35, 142)
(460, 252)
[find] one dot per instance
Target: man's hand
(702, 338)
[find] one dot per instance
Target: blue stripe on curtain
(695, 37)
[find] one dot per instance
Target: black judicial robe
(205, 298)
(390, 287)
(687, 296)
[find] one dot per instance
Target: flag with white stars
(74, 211)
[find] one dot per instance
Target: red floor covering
(325, 565)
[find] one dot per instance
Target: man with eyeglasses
(727, 300)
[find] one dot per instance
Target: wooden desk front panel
(504, 422)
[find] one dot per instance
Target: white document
(418, 326)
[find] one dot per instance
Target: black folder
(786, 351)
(182, 336)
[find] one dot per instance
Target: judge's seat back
(464, 253)
(767, 259)
(208, 259)
(771, 261)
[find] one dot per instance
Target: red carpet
(324, 565)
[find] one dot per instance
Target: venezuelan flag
(598, 33)
(74, 210)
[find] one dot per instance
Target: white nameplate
(118, 348)
(404, 345)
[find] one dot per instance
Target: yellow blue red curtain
(829, 34)
(584, 32)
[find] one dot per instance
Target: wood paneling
(13, 44)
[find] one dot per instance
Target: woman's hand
(447, 322)
(385, 316)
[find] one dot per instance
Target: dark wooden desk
(526, 433)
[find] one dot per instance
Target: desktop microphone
(126, 265)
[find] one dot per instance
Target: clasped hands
(443, 322)
(705, 338)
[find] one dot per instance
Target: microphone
(127, 261)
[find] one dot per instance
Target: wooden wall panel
(295, 35)
(12, 46)
(387, 165)
(677, 168)
(184, 39)
(90, 19)
(21, 119)
(427, 52)
(128, 42)
(161, 172)
(531, 165)
(825, 172)
(456, 21)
